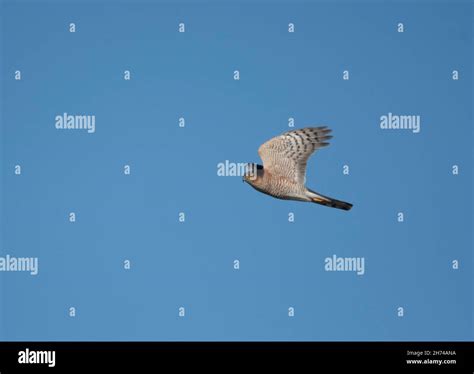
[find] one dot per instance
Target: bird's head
(252, 173)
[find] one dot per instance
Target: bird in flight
(283, 174)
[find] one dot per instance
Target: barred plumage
(284, 166)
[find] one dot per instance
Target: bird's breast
(280, 187)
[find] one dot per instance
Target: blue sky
(174, 170)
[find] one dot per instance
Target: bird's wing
(288, 153)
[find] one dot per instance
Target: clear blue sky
(174, 170)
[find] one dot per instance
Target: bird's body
(283, 174)
(279, 186)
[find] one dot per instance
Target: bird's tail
(327, 201)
